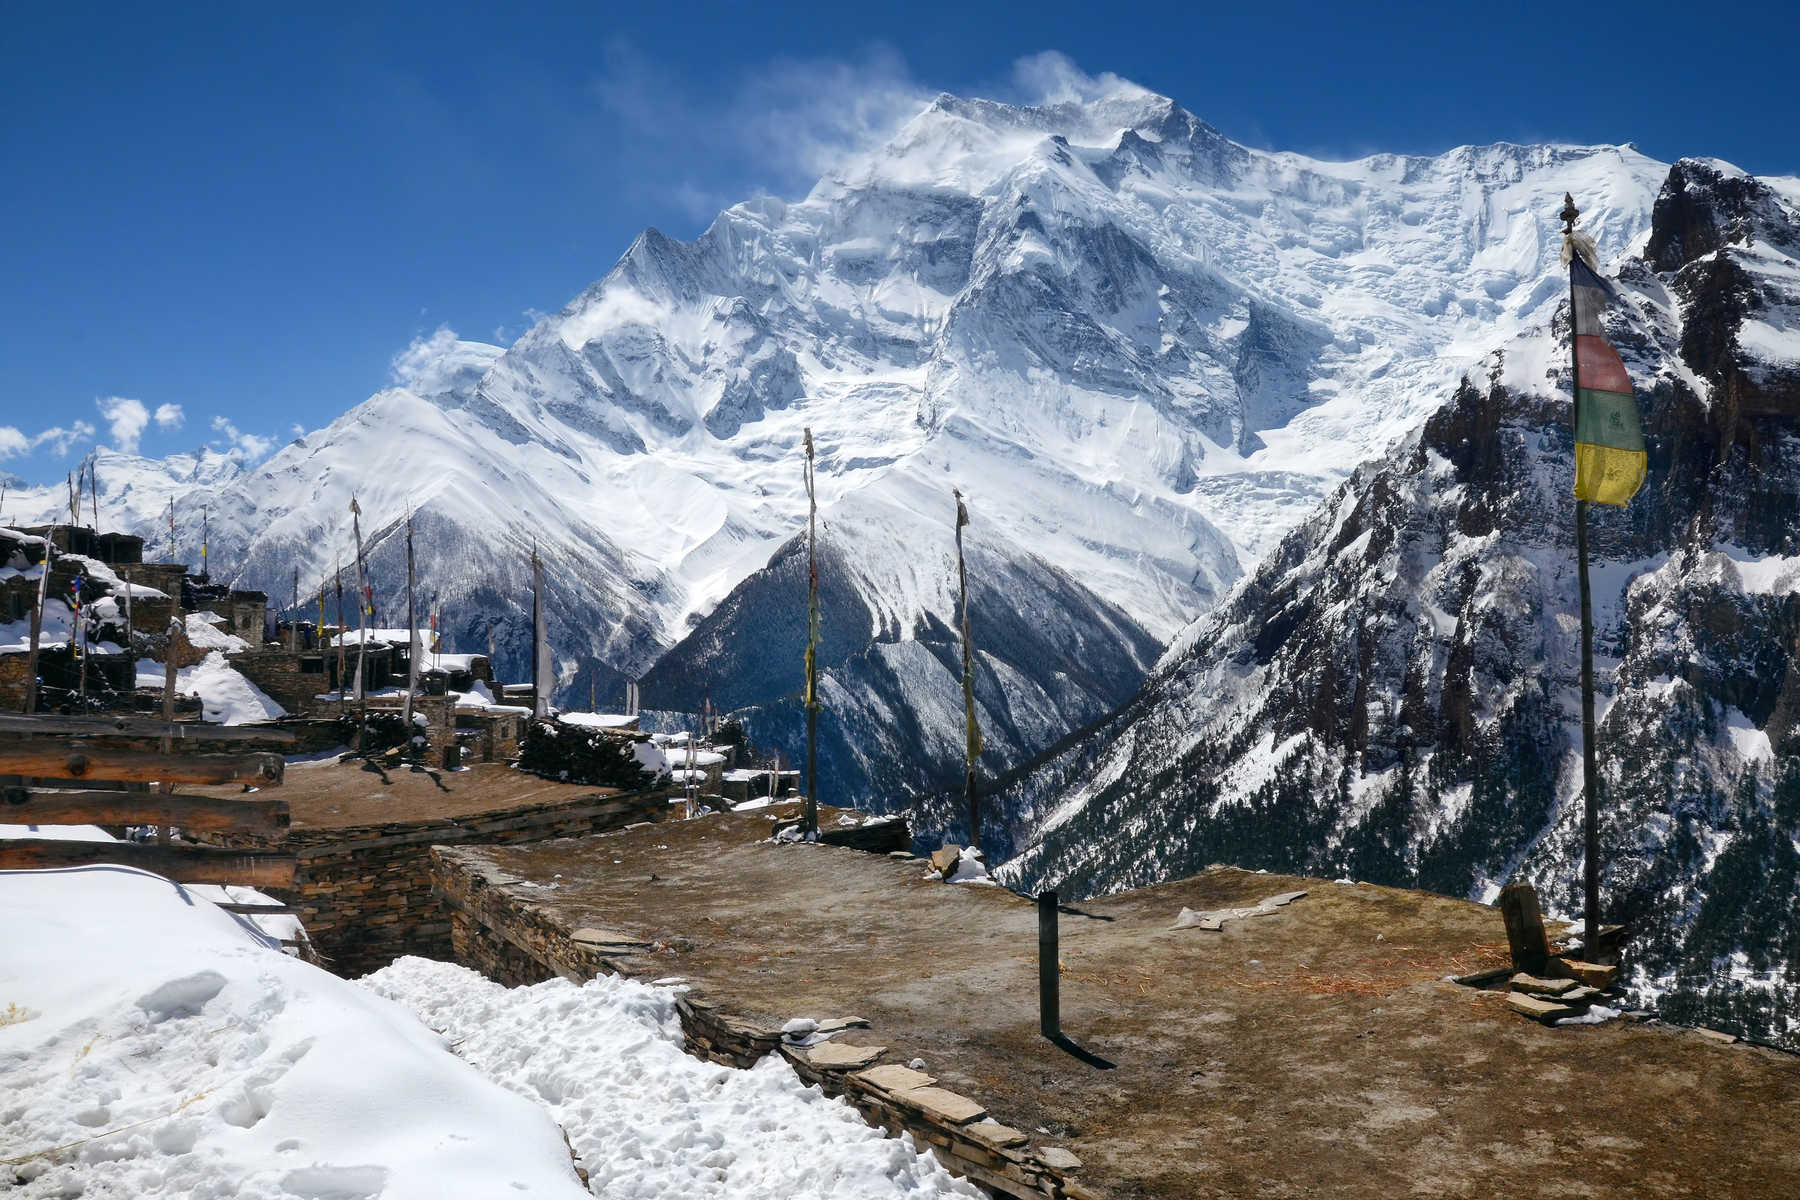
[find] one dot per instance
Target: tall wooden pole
(37, 623)
(294, 620)
(130, 637)
(971, 730)
(78, 644)
(339, 636)
(542, 669)
(412, 640)
(809, 812)
(177, 630)
(362, 627)
(1590, 807)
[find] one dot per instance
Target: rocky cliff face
(1394, 693)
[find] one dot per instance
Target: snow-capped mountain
(1394, 693)
(1143, 351)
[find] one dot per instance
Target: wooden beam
(183, 864)
(57, 758)
(146, 727)
(32, 806)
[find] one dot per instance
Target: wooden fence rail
(57, 770)
(142, 727)
(57, 758)
(183, 864)
(45, 806)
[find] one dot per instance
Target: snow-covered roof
(595, 720)
(382, 637)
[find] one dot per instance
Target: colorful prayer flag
(1609, 445)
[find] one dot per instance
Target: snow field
(160, 1048)
(649, 1121)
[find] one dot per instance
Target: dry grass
(1400, 966)
(12, 1014)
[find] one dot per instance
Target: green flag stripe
(1607, 419)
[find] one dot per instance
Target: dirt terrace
(1317, 1051)
(331, 795)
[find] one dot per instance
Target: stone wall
(364, 893)
(512, 944)
(277, 672)
(13, 678)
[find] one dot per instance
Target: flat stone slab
(1594, 975)
(1541, 987)
(896, 1078)
(1716, 1035)
(992, 1132)
(1215, 919)
(606, 937)
(942, 1104)
(1538, 1009)
(837, 1056)
(1058, 1159)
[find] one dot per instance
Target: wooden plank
(31, 806)
(146, 727)
(57, 758)
(183, 864)
(255, 910)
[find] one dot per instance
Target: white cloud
(12, 442)
(1051, 77)
(249, 445)
(125, 420)
(60, 438)
(777, 128)
(170, 416)
(422, 356)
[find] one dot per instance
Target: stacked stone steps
(1569, 990)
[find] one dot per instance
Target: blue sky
(221, 222)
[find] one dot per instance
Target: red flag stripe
(1597, 365)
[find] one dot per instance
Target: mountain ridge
(1142, 349)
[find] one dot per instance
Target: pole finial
(1569, 213)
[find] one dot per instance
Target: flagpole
(338, 579)
(809, 811)
(362, 628)
(412, 641)
(1590, 808)
(971, 731)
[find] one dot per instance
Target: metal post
(1049, 968)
